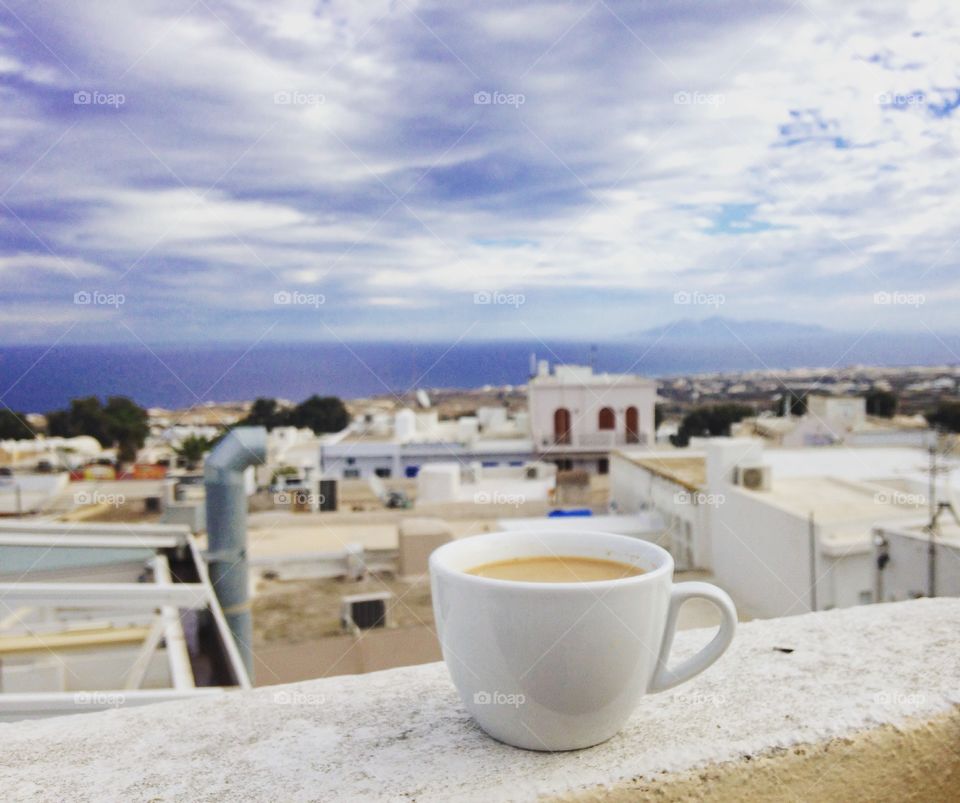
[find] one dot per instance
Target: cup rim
(666, 565)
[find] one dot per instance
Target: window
(383, 473)
(603, 466)
(411, 471)
(561, 425)
(351, 461)
(351, 473)
(633, 425)
(866, 597)
(607, 419)
(564, 465)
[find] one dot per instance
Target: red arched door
(561, 425)
(633, 425)
(607, 419)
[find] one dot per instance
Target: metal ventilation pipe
(227, 529)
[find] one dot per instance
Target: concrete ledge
(816, 707)
(915, 762)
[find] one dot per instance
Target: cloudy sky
(193, 170)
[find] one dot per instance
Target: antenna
(933, 527)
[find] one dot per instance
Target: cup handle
(664, 678)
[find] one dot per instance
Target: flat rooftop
(858, 463)
(686, 468)
(276, 534)
(364, 437)
(834, 500)
(843, 510)
(594, 379)
(852, 462)
(478, 444)
(949, 534)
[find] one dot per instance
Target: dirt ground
(290, 611)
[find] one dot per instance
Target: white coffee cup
(560, 666)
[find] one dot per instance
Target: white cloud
(603, 179)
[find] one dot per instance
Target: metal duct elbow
(240, 447)
(227, 528)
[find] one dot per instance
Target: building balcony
(860, 703)
(602, 441)
(599, 440)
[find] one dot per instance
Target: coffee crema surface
(555, 569)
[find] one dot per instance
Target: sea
(40, 378)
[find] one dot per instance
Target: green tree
(320, 413)
(127, 426)
(946, 415)
(83, 417)
(58, 423)
(882, 403)
(263, 413)
(121, 423)
(14, 426)
(709, 420)
(657, 416)
(192, 449)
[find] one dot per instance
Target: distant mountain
(717, 326)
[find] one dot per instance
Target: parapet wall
(854, 704)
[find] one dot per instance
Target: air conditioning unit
(364, 611)
(754, 477)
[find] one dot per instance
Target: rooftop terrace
(857, 703)
(839, 501)
(683, 467)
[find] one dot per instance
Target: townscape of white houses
(790, 514)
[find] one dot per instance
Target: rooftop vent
(364, 611)
(754, 477)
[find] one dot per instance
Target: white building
(501, 485)
(577, 416)
(399, 448)
(841, 413)
(24, 494)
(788, 530)
(57, 452)
(832, 420)
(293, 450)
(669, 482)
(904, 565)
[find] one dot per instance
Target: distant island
(719, 326)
